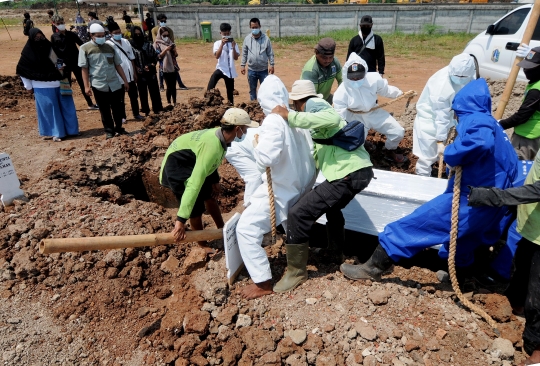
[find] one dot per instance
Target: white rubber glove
(440, 148)
(523, 50)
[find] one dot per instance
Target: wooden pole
(48, 246)
(531, 25)
(6, 29)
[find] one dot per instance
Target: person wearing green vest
(347, 173)
(524, 290)
(323, 68)
(189, 169)
(526, 121)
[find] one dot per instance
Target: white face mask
(357, 83)
(61, 27)
(165, 39)
(459, 80)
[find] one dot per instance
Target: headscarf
(36, 62)
(137, 42)
(168, 59)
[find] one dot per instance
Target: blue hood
(473, 98)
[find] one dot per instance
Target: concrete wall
(292, 20)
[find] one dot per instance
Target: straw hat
(302, 89)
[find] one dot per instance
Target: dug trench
(168, 305)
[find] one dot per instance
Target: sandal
(56, 139)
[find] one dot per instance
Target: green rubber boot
(297, 256)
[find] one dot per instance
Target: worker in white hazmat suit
(240, 155)
(359, 92)
(434, 115)
(289, 153)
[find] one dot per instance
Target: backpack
(349, 138)
(28, 24)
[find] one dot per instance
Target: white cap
(238, 117)
(302, 89)
(96, 28)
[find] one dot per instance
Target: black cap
(531, 60)
(326, 46)
(366, 20)
(356, 72)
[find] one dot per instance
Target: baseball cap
(302, 89)
(326, 46)
(531, 60)
(366, 20)
(238, 117)
(96, 28)
(356, 72)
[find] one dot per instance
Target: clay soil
(167, 305)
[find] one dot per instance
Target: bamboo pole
(48, 246)
(531, 25)
(6, 28)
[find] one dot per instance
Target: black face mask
(365, 30)
(532, 74)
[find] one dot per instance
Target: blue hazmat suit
(487, 158)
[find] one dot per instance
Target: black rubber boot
(377, 264)
(336, 243)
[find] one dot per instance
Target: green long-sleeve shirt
(196, 155)
(323, 122)
(322, 77)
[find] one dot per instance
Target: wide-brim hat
(238, 117)
(302, 89)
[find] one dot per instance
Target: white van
(494, 49)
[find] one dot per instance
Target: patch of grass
(12, 21)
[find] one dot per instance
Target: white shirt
(34, 84)
(226, 60)
(126, 57)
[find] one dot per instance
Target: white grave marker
(233, 259)
(9, 182)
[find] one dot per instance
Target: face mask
(459, 81)
(365, 30)
(255, 31)
(240, 139)
(357, 83)
(61, 27)
(162, 24)
(165, 39)
(99, 40)
(117, 37)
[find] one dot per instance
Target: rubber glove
(523, 50)
(440, 148)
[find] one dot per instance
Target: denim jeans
(253, 77)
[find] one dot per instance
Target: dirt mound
(11, 90)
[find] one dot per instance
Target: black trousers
(110, 101)
(524, 290)
(133, 99)
(147, 84)
(76, 70)
(229, 83)
(170, 82)
(327, 198)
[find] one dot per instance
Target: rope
(410, 94)
(272, 204)
(449, 139)
(452, 254)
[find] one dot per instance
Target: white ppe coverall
(364, 98)
(434, 116)
(289, 154)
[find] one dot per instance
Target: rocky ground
(167, 305)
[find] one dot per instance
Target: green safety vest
(529, 215)
(531, 128)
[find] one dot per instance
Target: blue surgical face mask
(162, 24)
(117, 37)
(99, 40)
(357, 83)
(459, 80)
(240, 139)
(255, 31)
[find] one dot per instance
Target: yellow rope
(452, 254)
(409, 95)
(272, 204)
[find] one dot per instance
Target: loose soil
(167, 305)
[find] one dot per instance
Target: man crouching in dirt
(189, 169)
(487, 159)
(347, 173)
(288, 153)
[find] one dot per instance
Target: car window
(512, 23)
